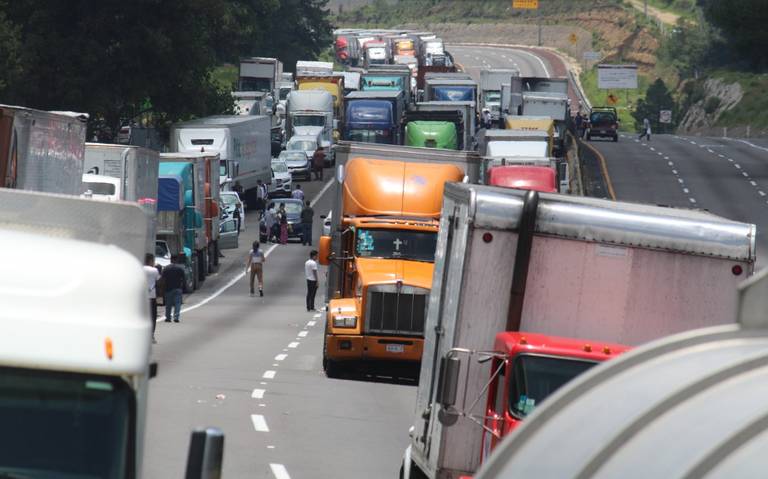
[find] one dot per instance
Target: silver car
(298, 164)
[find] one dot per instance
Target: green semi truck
(432, 134)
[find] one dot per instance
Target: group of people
(254, 265)
(167, 282)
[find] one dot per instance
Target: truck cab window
(500, 406)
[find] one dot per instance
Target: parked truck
(313, 68)
(259, 74)
(553, 105)
(538, 127)
(135, 169)
(389, 77)
(655, 409)
(431, 134)
(334, 85)
(205, 168)
(42, 150)
(242, 142)
(440, 89)
(381, 248)
(374, 117)
(180, 221)
(460, 114)
(560, 266)
(75, 364)
(490, 89)
(310, 112)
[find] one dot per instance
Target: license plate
(395, 348)
(603, 131)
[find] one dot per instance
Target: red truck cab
(528, 368)
(536, 178)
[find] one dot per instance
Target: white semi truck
(512, 260)
(243, 143)
(310, 112)
(490, 89)
(75, 345)
(41, 150)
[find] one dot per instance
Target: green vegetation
(657, 98)
(625, 99)
(225, 76)
(685, 8)
(753, 108)
(743, 25)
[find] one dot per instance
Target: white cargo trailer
(243, 143)
(511, 260)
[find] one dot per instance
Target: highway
(724, 176)
(253, 367)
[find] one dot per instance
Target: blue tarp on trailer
(170, 193)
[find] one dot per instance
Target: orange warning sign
(529, 4)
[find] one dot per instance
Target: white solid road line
(293, 344)
(239, 276)
(752, 145)
(258, 393)
(259, 423)
(546, 71)
(269, 374)
(279, 471)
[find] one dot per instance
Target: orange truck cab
(388, 236)
(537, 178)
(526, 369)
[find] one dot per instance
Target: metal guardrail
(585, 103)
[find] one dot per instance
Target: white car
(229, 201)
(306, 143)
(327, 224)
(281, 179)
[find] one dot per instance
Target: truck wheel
(332, 368)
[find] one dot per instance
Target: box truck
(259, 74)
(490, 89)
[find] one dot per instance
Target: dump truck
(490, 89)
(431, 134)
(206, 173)
(655, 409)
(374, 117)
(259, 74)
(460, 114)
(136, 170)
(598, 271)
(242, 142)
(380, 251)
(75, 364)
(42, 150)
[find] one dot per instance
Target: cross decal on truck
(397, 244)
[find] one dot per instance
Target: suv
(603, 122)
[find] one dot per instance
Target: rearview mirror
(206, 454)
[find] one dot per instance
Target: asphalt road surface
(253, 367)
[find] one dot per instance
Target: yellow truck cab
(382, 259)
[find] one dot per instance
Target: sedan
(293, 209)
(298, 164)
(230, 201)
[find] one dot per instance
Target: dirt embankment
(611, 31)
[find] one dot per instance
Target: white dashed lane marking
(303, 334)
(293, 344)
(258, 393)
(279, 471)
(259, 423)
(269, 374)
(281, 357)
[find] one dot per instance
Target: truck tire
(332, 368)
(415, 472)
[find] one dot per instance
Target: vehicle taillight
(737, 270)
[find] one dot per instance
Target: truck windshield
(396, 244)
(308, 120)
(456, 93)
(64, 425)
(534, 378)
(492, 96)
(223, 168)
(255, 84)
(370, 136)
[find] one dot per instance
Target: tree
(657, 98)
(743, 23)
(10, 67)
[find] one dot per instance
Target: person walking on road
(152, 275)
(282, 218)
(487, 119)
(646, 130)
(270, 221)
(307, 215)
(310, 272)
(255, 265)
(261, 197)
(173, 279)
(318, 162)
(297, 194)
(579, 123)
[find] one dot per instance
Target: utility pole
(645, 8)
(540, 27)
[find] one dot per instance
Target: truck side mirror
(206, 454)
(324, 252)
(448, 382)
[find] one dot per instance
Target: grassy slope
(753, 108)
(599, 97)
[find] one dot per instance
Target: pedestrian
(282, 218)
(579, 122)
(238, 188)
(646, 130)
(307, 215)
(270, 220)
(173, 279)
(487, 118)
(237, 218)
(310, 272)
(152, 274)
(261, 197)
(318, 162)
(297, 194)
(255, 265)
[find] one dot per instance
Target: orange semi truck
(381, 252)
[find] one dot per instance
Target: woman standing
(283, 218)
(255, 264)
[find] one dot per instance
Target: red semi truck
(536, 178)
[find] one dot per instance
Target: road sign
(527, 4)
(665, 116)
(592, 56)
(612, 99)
(616, 76)
(573, 38)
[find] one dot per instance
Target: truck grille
(389, 311)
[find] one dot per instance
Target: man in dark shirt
(307, 214)
(173, 281)
(318, 162)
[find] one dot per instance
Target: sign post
(528, 5)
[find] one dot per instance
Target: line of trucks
(455, 253)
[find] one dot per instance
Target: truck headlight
(345, 321)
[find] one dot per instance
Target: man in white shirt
(310, 272)
(297, 194)
(152, 275)
(261, 196)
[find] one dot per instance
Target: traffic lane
(638, 174)
(223, 347)
(474, 59)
